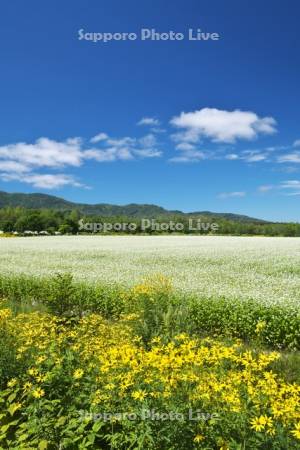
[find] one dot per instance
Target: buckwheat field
(261, 268)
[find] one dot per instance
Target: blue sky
(190, 125)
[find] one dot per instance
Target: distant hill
(228, 216)
(40, 201)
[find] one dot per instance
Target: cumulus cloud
(13, 166)
(28, 162)
(43, 153)
(221, 125)
(22, 161)
(236, 194)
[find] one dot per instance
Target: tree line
(20, 220)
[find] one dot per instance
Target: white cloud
(265, 188)
(158, 130)
(289, 158)
(189, 153)
(98, 138)
(125, 149)
(236, 194)
(254, 157)
(185, 146)
(148, 141)
(109, 154)
(189, 156)
(190, 136)
(13, 166)
(268, 154)
(151, 121)
(22, 161)
(276, 148)
(290, 184)
(221, 126)
(296, 143)
(232, 156)
(122, 142)
(43, 181)
(44, 153)
(148, 153)
(249, 156)
(284, 187)
(293, 185)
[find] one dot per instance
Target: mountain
(41, 201)
(228, 216)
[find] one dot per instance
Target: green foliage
(288, 366)
(51, 367)
(62, 298)
(38, 213)
(61, 295)
(9, 365)
(72, 372)
(164, 312)
(156, 310)
(241, 318)
(160, 312)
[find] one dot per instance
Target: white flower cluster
(260, 268)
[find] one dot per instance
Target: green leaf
(4, 428)
(12, 397)
(22, 437)
(61, 421)
(43, 445)
(13, 408)
(91, 438)
(96, 427)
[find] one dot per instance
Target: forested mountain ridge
(45, 201)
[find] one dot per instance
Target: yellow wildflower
(296, 431)
(139, 395)
(199, 438)
(12, 382)
(260, 326)
(259, 423)
(78, 374)
(38, 393)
